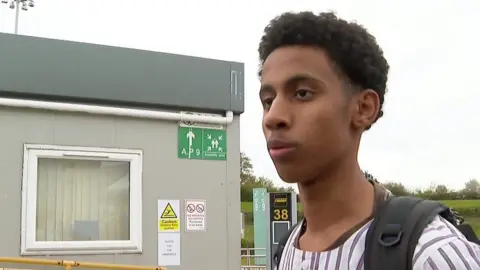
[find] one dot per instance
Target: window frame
(31, 154)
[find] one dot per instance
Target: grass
(475, 223)
(246, 207)
(462, 203)
(249, 236)
(249, 231)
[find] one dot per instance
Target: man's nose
(278, 116)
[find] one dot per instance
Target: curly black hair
(356, 55)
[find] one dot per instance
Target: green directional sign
(259, 226)
(214, 144)
(202, 143)
(190, 142)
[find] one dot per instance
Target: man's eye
(267, 102)
(303, 94)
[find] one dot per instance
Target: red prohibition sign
(191, 208)
(200, 208)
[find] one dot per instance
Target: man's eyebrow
(302, 77)
(266, 89)
(292, 81)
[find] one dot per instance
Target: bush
(248, 216)
(468, 212)
(247, 243)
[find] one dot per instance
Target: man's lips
(279, 153)
(280, 148)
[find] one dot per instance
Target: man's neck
(343, 196)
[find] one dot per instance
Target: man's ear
(366, 109)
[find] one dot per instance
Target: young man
(323, 82)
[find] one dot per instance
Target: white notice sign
(195, 215)
(168, 249)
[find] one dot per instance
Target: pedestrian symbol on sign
(216, 143)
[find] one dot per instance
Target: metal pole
(17, 16)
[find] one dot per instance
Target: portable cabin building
(104, 149)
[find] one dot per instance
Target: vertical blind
(82, 200)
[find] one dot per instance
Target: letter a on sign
(168, 212)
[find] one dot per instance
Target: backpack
(395, 230)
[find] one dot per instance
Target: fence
(248, 259)
(247, 255)
(68, 265)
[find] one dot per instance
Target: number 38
(280, 215)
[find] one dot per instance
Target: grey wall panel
(164, 177)
(237, 86)
(79, 70)
(232, 189)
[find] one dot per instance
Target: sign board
(168, 249)
(259, 225)
(202, 143)
(195, 215)
(168, 216)
(168, 232)
(281, 215)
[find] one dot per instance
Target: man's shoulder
(442, 246)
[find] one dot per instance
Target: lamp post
(15, 4)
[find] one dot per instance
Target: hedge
(468, 212)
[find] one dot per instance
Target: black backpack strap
(277, 256)
(395, 230)
(465, 229)
(469, 233)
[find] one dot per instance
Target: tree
(441, 189)
(471, 190)
(248, 180)
(246, 169)
(397, 189)
(433, 192)
(472, 186)
(442, 193)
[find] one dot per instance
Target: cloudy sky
(431, 129)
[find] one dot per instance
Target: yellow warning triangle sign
(168, 212)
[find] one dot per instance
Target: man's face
(307, 113)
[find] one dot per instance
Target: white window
(79, 200)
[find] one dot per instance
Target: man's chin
(288, 176)
(291, 176)
(289, 181)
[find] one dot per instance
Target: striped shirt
(441, 247)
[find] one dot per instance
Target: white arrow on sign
(190, 137)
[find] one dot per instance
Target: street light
(15, 4)
(25, 3)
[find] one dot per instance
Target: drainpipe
(117, 111)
